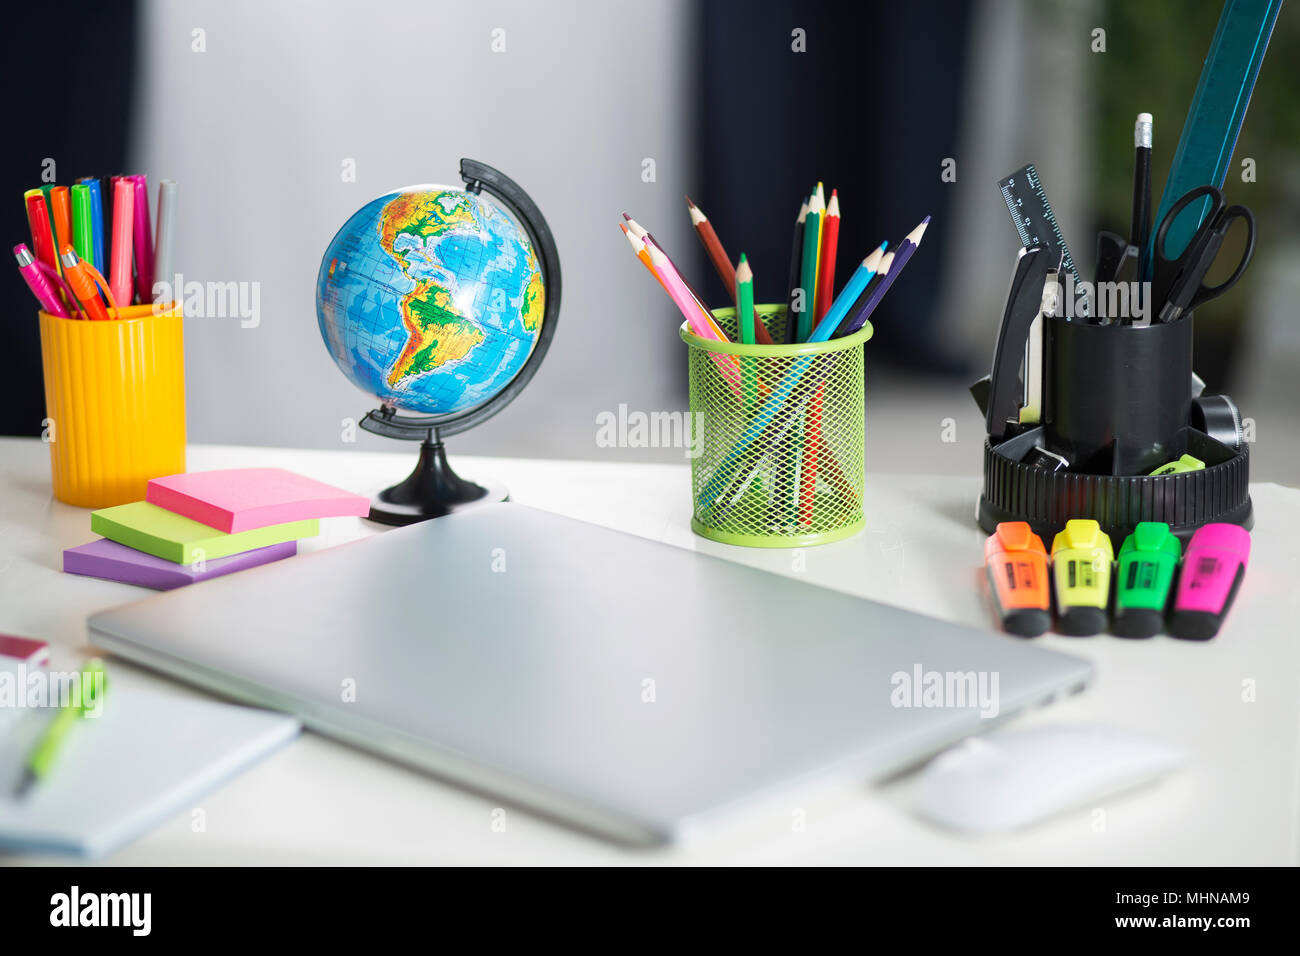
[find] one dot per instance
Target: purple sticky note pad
(116, 562)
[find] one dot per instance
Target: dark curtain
(870, 108)
(70, 71)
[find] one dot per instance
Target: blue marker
(96, 221)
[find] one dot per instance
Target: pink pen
(1213, 568)
(143, 239)
(119, 276)
(37, 282)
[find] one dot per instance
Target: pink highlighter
(1213, 568)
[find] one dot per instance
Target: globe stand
(433, 489)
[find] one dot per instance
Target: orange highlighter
(83, 286)
(1018, 578)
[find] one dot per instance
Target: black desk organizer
(1117, 404)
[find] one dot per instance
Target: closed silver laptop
(622, 685)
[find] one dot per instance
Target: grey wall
(256, 129)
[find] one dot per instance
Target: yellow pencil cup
(115, 403)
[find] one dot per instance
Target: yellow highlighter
(1081, 569)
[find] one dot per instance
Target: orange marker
(83, 286)
(61, 213)
(1017, 565)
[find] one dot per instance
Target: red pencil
(826, 267)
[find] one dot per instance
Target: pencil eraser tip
(1145, 118)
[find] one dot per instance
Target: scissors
(1178, 283)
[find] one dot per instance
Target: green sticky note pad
(173, 537)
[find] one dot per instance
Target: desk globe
(440, 301)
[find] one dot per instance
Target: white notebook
(144, 759)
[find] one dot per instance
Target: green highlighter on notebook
(1148, 561)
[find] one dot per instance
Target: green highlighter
(1148, 561)
(43, 754)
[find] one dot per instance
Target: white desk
(316, 801)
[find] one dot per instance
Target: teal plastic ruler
(1214, 120)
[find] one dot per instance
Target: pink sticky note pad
(241, 499)
(24, 649)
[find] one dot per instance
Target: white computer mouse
(1013, 778)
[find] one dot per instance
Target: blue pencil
(854, 288)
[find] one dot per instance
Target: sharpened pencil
(721, 261)
(808, 273)
(826, 261)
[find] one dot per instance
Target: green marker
(91, 690)
(1148, 560)
(82, 237)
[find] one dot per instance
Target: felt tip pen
(1144, 579)
(123, 226)
(36, 281)
(1213, 569)
(38, 220)
(83, 286)
(1016, 562)
(142, 230)
(1081, 568)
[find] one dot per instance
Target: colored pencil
(849, 295)
(821, 229)
(745, 300)
(826, 262)
(745, 317)
(890, 268)
(796, 263)
(698, 319)
(808, 273)
(638, 246)
(721, 261)
(637, 229)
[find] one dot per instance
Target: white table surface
(317, 801)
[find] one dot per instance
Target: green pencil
(745, 300)
(745, 316)
(808, 275)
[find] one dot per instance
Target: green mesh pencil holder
(778, 433)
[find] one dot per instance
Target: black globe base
(432, 490)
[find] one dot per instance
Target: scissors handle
(1200, 192)
(1179, 281)
(1205, 293)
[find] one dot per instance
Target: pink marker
(123, 222)
(143, 239)
(1213, 568)
(37, 282)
